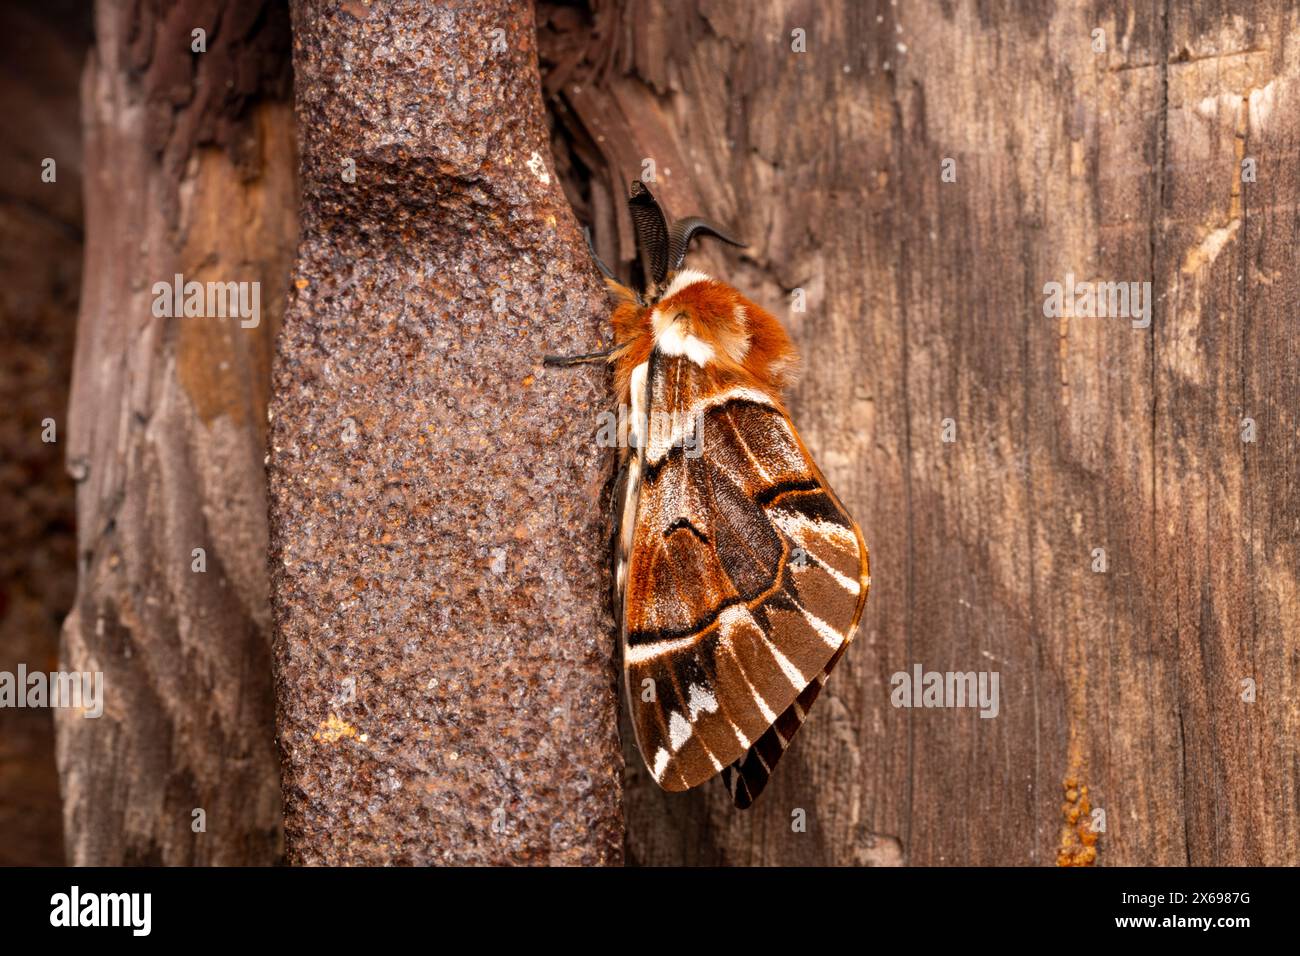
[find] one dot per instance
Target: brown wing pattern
(744, 582)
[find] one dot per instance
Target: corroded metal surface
(444, 654)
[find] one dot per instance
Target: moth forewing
(742, 582)
(740, 576)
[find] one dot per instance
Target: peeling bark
(190, 171)
(439, 566)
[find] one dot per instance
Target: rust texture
(1078, 846)
(445, 683)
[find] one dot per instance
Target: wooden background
(924, 303)
(190, 169)
(40, 262)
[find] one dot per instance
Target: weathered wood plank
(1228, 510)
(1072, 434)
(190, 160)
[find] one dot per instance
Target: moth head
(662, 243)
(700, 318)
(709, 322)
(691, 314)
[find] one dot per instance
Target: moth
(739, 575)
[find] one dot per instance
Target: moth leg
(600, 263)
(567, 361)
(589, 358)
(604, 269)
(615, 521)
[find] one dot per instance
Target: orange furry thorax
(746, 344)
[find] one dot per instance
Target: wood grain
(1121, 690)
(190, 160)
